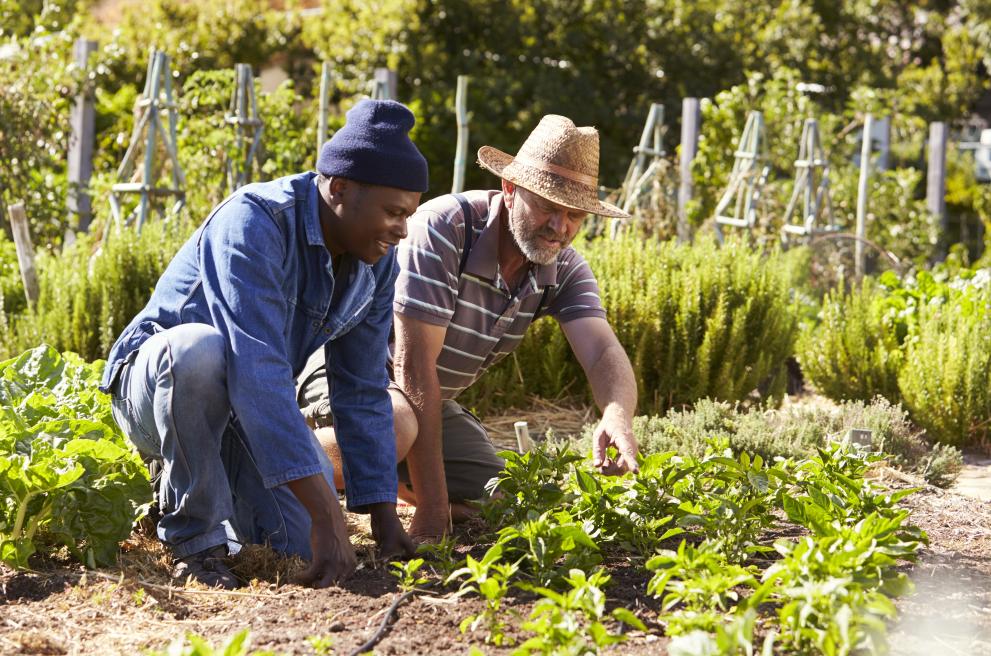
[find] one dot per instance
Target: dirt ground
(63, 609)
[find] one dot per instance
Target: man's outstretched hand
(388, 532)
(614, 430)
(333, 559)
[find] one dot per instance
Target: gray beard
(527, 242)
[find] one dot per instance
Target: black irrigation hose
(383, 628)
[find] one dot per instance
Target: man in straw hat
(202, 379)
(476, 270)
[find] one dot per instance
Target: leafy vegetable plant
(67, 475)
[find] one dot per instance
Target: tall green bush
(946, 381)
(88, 297)
(696, 321)
(851, 354)
(923, 342)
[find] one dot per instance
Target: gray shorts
(470, 458)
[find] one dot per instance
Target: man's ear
(337, 187)
(508, 197)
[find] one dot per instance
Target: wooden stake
(690, 119)
(461, 152)
(523, 442)
(936, 178)
(324, 103)
(865, 171)
(25, 252)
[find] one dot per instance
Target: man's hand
(388, 532)
(332, 556)
(615, 430)
(431, 524)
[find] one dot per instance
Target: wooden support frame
(747, 179)
(155, 125)
(811, 186)
(248, 129)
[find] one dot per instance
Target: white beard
(526, 240)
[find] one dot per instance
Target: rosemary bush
(696, 320)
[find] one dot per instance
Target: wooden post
(385, 83)
(865, 171)
(25, 252)
(936, 177)
(690, 120)
(81, 142)
(523, 441)
(324, 105)
(461, 152)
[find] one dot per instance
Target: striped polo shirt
(485, 320)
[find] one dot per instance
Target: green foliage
(571, 622)
(67, 475)
(697, 321)
(490, 578)
(699, 580)
(12, 299)
(406, 572)
(946, 381)
(853, 354)
(238, 644)
(828, 593)
(921, 341)
(87, 298)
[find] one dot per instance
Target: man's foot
(208, 567)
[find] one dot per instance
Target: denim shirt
(258, 271)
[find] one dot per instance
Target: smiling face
(366, 220)
(540, 228)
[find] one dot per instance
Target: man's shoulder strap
(469, 214)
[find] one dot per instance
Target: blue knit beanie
(374, 147)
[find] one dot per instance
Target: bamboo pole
(25, 252)
(461, 152)
(865, 172)
(324, 105)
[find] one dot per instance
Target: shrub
(946, 381)
(794, 432)
(697, 321)
(921, 342)
(852, 354)
(87, 299)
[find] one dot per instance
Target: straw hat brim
(545, 184)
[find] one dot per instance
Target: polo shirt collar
(483, 260)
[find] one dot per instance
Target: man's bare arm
(418, 345)
(614, 388)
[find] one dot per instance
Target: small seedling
(407, 573)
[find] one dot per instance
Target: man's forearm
(614, 386)
(425, 460)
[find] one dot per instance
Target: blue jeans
(172, 402)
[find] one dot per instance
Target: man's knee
(404, 421)
(199, 356)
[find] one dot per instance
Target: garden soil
(61, 608)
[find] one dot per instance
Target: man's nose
(402, 231)
(557, 222)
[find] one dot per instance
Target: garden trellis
(747, 179)
(150, 131)
(810, 167)
(248, 128)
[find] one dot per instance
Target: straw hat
(559, 162)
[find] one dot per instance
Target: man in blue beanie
(202, 378)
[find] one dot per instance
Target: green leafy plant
(407, 573)
(550, 545)
(66, 474)
(701, 582)
(238, 644)
(571, 622)
(490, 579)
